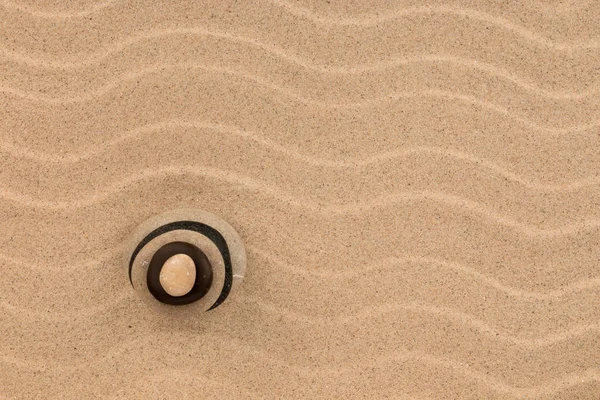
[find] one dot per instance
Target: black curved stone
(202, 281)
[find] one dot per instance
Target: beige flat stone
(178, 275)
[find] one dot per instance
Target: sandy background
(416, 183)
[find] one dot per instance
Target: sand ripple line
(125, 294)
(557, 8)
(85, 60)
(357, 208)
(58, 15)
(463, 12)
(483, 17)
(543, 390)
(178, 382)
(370, 103)
(566, 290)
(80, 266)
(109, 304)
(96, 57)
(370, 20)
(342, 371)
(87, 312)
(389, 262)
(239, 132)
(135, 75)
(457, 62)
(546, 389)
(371, 312)
(141, 338)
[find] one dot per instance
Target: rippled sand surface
(416, 184)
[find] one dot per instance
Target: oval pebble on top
(178, 274)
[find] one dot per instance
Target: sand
(416, 185)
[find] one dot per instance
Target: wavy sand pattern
(417, 185)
